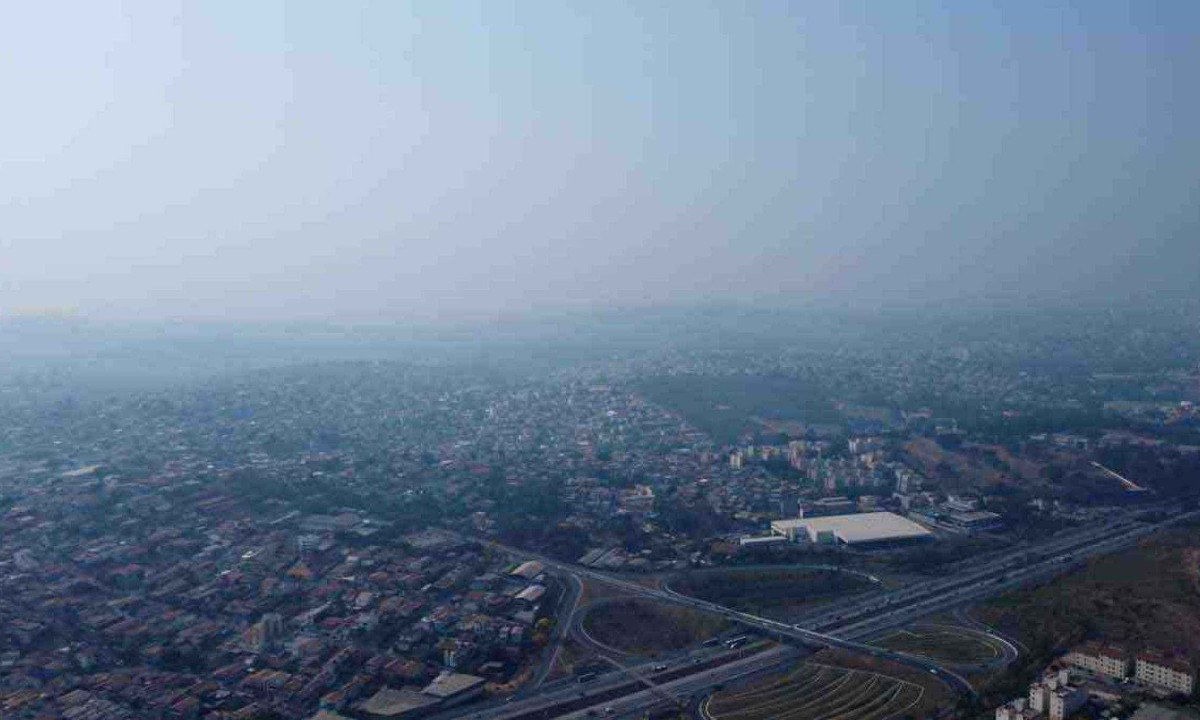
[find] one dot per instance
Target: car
(609, 710)
(933, 670)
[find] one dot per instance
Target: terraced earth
(813, 691)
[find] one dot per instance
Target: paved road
(568, 606)
(984, 568)
(702, 682)
(558, 692)
(846, 631)
(773, 628)
(954, 593)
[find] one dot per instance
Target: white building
(1037, 697)
(1041, 693)
(1065, 701)
(854, 529)
(1016, 710)
(1100, 659)
(1165, 673)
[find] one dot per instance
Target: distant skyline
(448, 160)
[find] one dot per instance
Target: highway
(849, 626)
(702, 682)
(633, 687)
(867, 618)
(773, 628)
(981, 568)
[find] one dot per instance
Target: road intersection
(848, 627)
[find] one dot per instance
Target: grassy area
(772, 592)
(943, 644)
(814, 690)
(642, 627)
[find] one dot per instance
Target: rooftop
(1173, 663)
(449, 684)
(1098, 650)
(389, 702)
(328, 715)
(856, 528)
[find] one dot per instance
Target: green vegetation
(818, 691)
(641, 627)
(774, 592)
(956, 646)
(1148, 596)
(724, 407)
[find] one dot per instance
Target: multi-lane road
(634, 688)
(848, 626)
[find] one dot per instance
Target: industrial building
(859, 529)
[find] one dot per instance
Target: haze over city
(386, 161)
(523, 360)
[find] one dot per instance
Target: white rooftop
(856, 528)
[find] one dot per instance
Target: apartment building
(1165, 672)
(1064, 701)
(1100, 659)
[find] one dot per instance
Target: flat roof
(974, 516)
(328, 715)
(858, 527)
(529, 569)
(448, 684)
(389, 702)
(532, 593)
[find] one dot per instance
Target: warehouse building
(861, 529)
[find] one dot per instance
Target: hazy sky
(255, 160)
